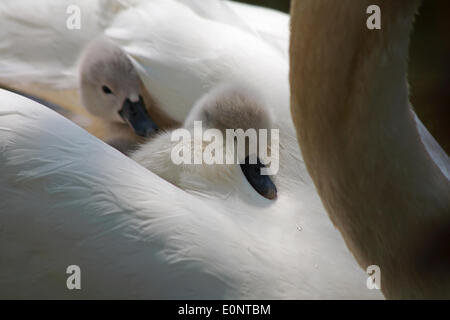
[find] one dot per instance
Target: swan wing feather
(70, 199)
(437, 154)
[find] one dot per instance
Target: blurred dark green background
(429, 71)
(282, 5)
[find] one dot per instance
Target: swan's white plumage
(270, 25)
(437, 154)
(37, 46)
(68, 198)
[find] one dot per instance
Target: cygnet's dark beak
(261, 183)
(136, 115)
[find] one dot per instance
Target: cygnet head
(230, 107)
(110, 87)
(237, 107)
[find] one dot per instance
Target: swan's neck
(359, 140)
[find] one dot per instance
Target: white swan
(112, 217)
(70, 199)
(382, 177)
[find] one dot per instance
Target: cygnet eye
(106, 90)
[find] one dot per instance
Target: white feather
(68, 198)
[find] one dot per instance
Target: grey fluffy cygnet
(226, 107)
(110, 88)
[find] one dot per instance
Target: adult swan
(69, 199)
(381, 176)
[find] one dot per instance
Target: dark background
(429, 66)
